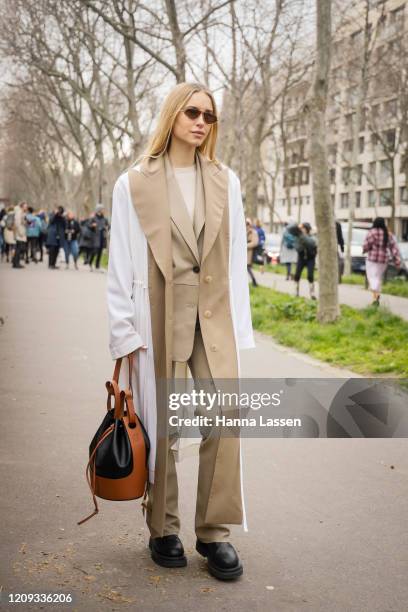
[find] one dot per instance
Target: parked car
(392, 271)
(272, 248)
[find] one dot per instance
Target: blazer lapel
(148, 189)
(199, 210)
(215, 182)
(178, 209)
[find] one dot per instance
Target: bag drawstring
(92, 458)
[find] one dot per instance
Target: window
(348, 146)
(385, 197)
(389, 136)
(307, 200)
(359, 174)
(349, 122)
(403, 195)
(345, 175)
(385, 170)
(294, 201)
(374, 139)
(358, 199)
(363, 119)
(372, 198)
(333, 152)
(344, 200)
(361, 144)
(332, 176)
(304, 176)
(372, 172)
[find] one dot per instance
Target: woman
(178, 293)
(378, 244)
(33, 232)
(288, 254)
(9, 238)
(72, 231)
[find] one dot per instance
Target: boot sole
(218, 572)
(165, 561)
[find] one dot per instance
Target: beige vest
(149, 192)
(187, 247)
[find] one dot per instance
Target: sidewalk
(352, 295)
(323, 535)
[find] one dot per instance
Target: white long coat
(128, 298)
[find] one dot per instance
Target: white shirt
(186, 178)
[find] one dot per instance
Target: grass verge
(397, 286)
(368, 341)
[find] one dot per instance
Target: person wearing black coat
(340, 243)
(86, 239)
(101, 224)
(72, 231)
(55, 236)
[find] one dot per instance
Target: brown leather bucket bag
(118, 454)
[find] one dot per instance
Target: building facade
(368, 171)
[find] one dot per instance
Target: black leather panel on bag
(114, 458)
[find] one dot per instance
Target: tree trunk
(315, 109)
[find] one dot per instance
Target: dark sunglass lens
(192, 113)
(210, 118)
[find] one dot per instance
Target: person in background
(72, 231)
(252, 243)
(55, 236)
(43, 233)
(20, 233)
(306, 247)
(259, 250)
(101, 233)
(8, 233)
(340, 246)
(380, 245)
(86, 240)
(33, 233)
(288, 254)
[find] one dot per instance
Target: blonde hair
(172, 105)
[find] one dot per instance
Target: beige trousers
(199, 367)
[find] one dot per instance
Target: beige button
(207, 314)
(208, 279)
(214, 347)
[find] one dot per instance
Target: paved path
(327, 518)
(353, 295)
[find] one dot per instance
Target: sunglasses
(193, 113)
